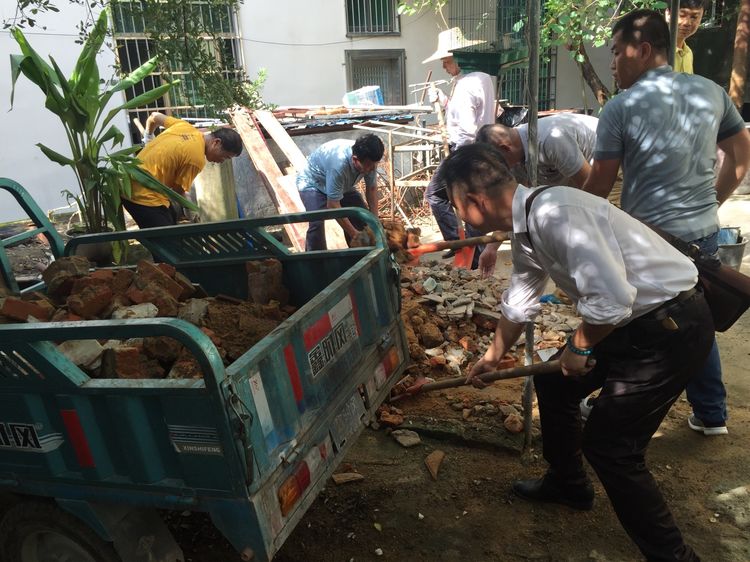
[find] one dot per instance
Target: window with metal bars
(371, 17)
(378, 67)
(134, 48)
(513, 81)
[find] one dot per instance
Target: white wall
(29, 122)
(569, 82)
(302, 47)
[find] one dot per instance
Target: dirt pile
(74, 293)
(449, 316)
(400, 239)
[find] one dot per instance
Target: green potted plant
(80, 101)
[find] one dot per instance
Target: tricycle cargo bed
(251, 443)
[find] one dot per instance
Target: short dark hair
(474, 168)
(368, 147)
(231, 141)
(494, 133)
(644, 26)
(693, 4)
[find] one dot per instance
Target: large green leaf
(149, 181)
(27, 50)
(56, 156)
(15, 72)
(22, 64)
(125, 152)
(75, 114)
(112, 133)
(131, 79)
(87, 58)
(141, 100)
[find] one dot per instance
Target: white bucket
(731, 254)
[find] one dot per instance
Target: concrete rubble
(76, 293)
(450, 315)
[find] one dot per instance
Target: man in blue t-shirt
(329, 182)
(664, 129)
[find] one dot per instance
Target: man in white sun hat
(470, 105)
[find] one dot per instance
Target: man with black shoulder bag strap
(645, 332)
(664, 128)
(726, 291)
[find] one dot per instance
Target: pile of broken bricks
(75, 293)
(449, 316)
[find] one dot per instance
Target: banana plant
(103, 169)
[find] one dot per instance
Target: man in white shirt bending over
(646, 332)
(566, 144)
(471, 105)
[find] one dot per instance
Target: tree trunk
(601, 92)
(739, 59)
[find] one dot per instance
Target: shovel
(513, 373)
(465, 243)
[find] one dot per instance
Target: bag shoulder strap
(529, 201)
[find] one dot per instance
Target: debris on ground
(406, 437)
(449, 316)
(433, 462)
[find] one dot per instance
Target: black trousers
(314, 200)
(642, 368)
(445, 217)
(150, 217)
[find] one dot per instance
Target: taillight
(293, 488)
(391, 361)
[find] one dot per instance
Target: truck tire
(35, 531)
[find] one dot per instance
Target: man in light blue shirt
(664, 129)
(329, 182)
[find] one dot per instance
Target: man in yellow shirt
(175, 158)
(689, 19)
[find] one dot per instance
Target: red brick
(104, 274)
(83, 282)
(468, 344)
(90, 301)
(438, 361)
(186, 367)
(60, 286)
(18, 309)
(507, 362)
(164, 301)
(167, 268)
(62, 315)
(212, 335)
(74, 266)
(136, 295)
(162, 348)
(148, 274)
(188, 289)
(126, 362)
(122, 280)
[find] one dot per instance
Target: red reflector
(293, 488)
(391, 361)
(78, 438)
(302, 476)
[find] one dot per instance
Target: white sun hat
(448, 41)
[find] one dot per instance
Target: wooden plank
(269, 173)
(282, 139)
(335, 239)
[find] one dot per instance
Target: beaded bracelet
(578, 350)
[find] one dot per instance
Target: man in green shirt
(689, 19)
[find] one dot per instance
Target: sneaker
(707, 429)
(548, 490)
(587, 404)
(448, 254)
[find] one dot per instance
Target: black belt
(664, 309)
